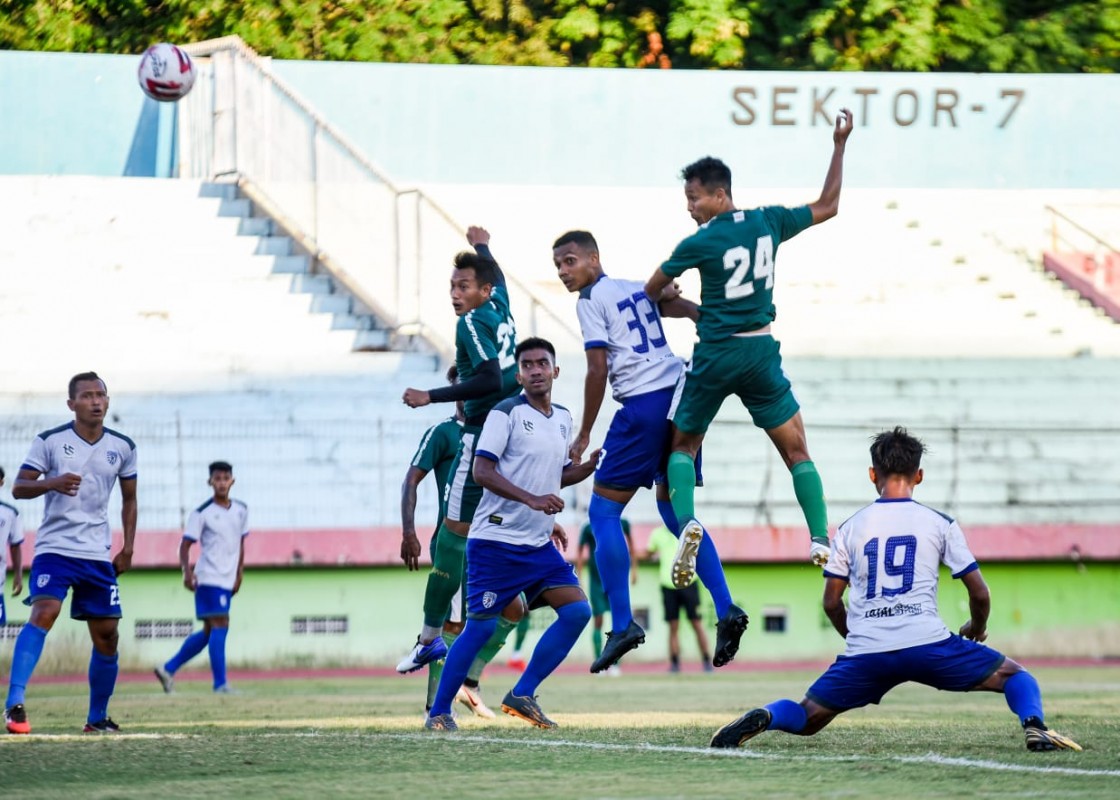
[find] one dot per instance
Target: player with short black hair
(75, 466)
(219, 526)
(734, 252)
(889, 555)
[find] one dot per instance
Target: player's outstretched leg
(729, 630)
(618, 645)
(612, 557)
(554, 645)
(734, 733)
(458, 662)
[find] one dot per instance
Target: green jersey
(436, 453)
(735, 254)
(482, 334)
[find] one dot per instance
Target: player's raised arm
(826, 206)
(656, 284)
(479, 238)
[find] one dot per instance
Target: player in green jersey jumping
(735, 252)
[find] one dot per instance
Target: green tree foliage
(910, 35)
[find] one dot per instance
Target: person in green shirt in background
(663, 546)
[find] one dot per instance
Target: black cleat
(618, 645)
(729, 630)
(746, 727)
(526, 708)
(102, 726)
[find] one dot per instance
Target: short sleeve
(685, 256)
(128, 465)
(193, 530)
(39, 457)
(245, 522)
(592, 323)
(495, 435)
(426, 455)
(788, 222)
(957, 556)
(839, 561)
(15, 536)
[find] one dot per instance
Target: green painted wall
(1038, 609)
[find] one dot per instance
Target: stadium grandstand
(260, 271)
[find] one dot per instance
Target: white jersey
(10, 533)
(890, 552)
(617, 315)
(531, 451)
(219, 532)
(79, 526)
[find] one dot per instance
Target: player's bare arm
(189, 581)
(833, 603)
(594, 389)
(559, 537)
(828, 204)
(240, 568)
(487, 476)
(410, 544)
(574, 473)
(27, 485)
(16, 552)
(656, 284)
(122, 561)
(979, 607)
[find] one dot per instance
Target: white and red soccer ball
(166, 73)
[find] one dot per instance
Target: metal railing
(1095, 261)
(389, 245)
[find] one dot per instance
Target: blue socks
(554, 645)
(29, 646)
(708, 566)
(786, 715)
(218, 655)
(1023, 696)
(102, 680)
(474, 637)
(612, 557)
(192, 646)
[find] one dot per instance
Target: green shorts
(747, 366)
(595, 594)
(462, 494)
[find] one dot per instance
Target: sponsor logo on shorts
(488, 599)
(43, 580)
(223, 601)
(897, 610)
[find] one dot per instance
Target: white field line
(929, 758)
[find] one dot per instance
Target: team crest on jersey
(564, 432)
(43, 581)
(527, 425)
(112, 455)
(68, 449)
(488, 599)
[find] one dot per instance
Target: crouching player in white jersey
(890, 553)
(624, 342)
(521, 462)
(220, 526)
(75, 467)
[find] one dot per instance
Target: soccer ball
(166, 73)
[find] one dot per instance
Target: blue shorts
(498, 572)
(636, 448)
(3, 611)
(96, 595)
(951, 665)
(211, 601)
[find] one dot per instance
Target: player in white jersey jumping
(75, 467)
(521, 461)
(11, 538)
(220, 526)
(889, 555)
(625, 344)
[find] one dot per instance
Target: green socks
(681, 473)
(597, 641)
(446, 576)
(810, 496)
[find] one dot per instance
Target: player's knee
(577, 612)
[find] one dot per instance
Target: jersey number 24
(744, 272)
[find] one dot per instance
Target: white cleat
(472, 699)
(684, 562)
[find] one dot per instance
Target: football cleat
(819, 552)
(441, 722)
(526, 708)
(225, 688)
(1043, 739)
(15, 719)
(165, 678)
(746, 727)
(618, 645)
(472, 699)
(102, 726)
(684, 562)
(729, 630)
(422, 654)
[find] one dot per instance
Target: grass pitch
(636, 736)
